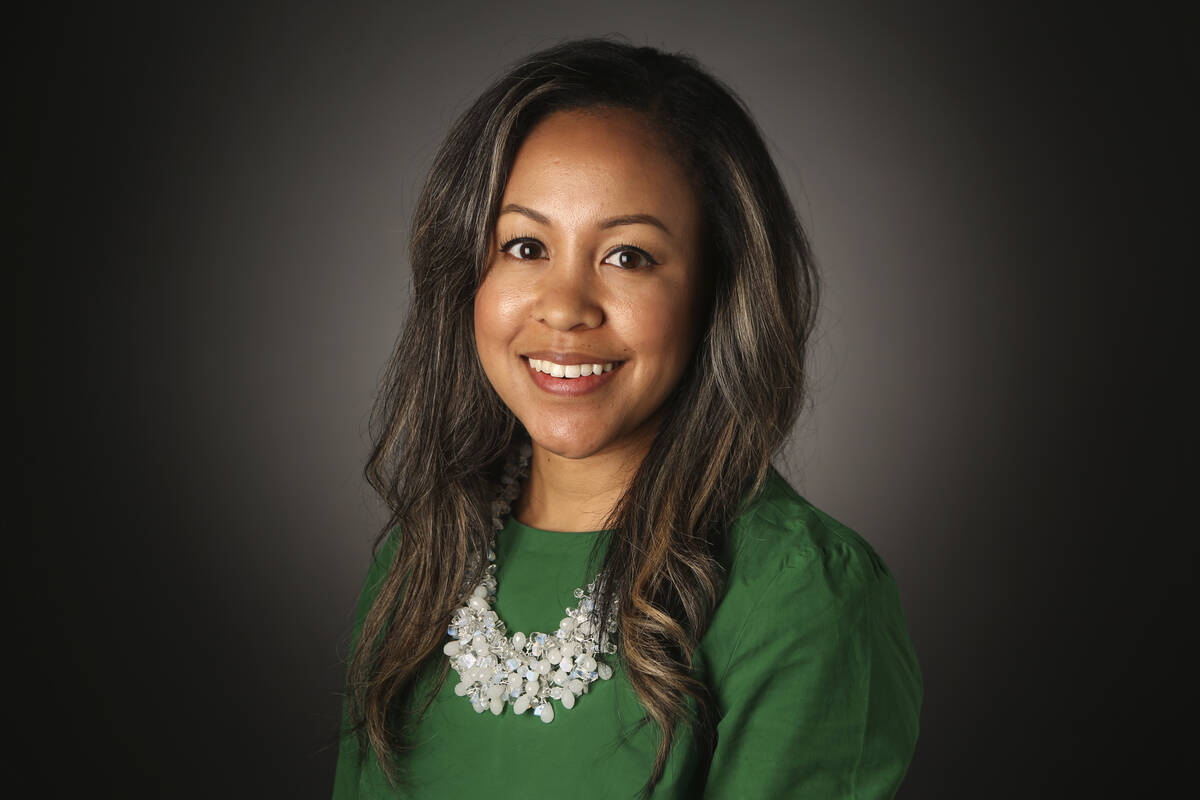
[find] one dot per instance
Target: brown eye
(629, 258)
(524, 249)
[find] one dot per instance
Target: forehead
(578, 164)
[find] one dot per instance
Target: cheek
(662, 325)
(497, 318)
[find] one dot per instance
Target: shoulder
(780, 530)
(804, 589)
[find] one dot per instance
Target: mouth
(573, 370)
(570, 375)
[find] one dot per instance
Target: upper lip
(559, 357)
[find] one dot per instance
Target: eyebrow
(611, 222)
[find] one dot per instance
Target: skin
(565, 289)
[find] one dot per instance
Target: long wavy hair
(441, 432)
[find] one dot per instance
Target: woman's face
(595, 262)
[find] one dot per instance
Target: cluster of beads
(525, 671)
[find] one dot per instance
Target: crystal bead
(605, 671)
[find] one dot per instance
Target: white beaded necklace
(524, 671)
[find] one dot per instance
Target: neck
(575, 494)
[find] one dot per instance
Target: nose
(567, 297)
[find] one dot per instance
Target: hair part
(441, 432)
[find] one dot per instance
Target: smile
(571, 380)
(570, 371)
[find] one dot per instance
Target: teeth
(569, 370)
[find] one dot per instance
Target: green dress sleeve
(822, 693)
(346, 777)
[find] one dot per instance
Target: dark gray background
(213, 207)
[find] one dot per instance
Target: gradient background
(212, 223)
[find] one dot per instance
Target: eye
(629, 257)
(524, 248)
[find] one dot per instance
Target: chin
(573, 450)
(572, 445)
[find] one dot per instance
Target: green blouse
(817, 687)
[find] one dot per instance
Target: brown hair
(441, 431)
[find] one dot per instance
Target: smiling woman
(612, 299)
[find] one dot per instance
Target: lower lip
(571, 387)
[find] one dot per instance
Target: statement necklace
(525, 672)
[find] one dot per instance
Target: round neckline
(516, 535)
(518, 524)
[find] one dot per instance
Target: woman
(611, 302)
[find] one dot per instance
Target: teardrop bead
(521, 705)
